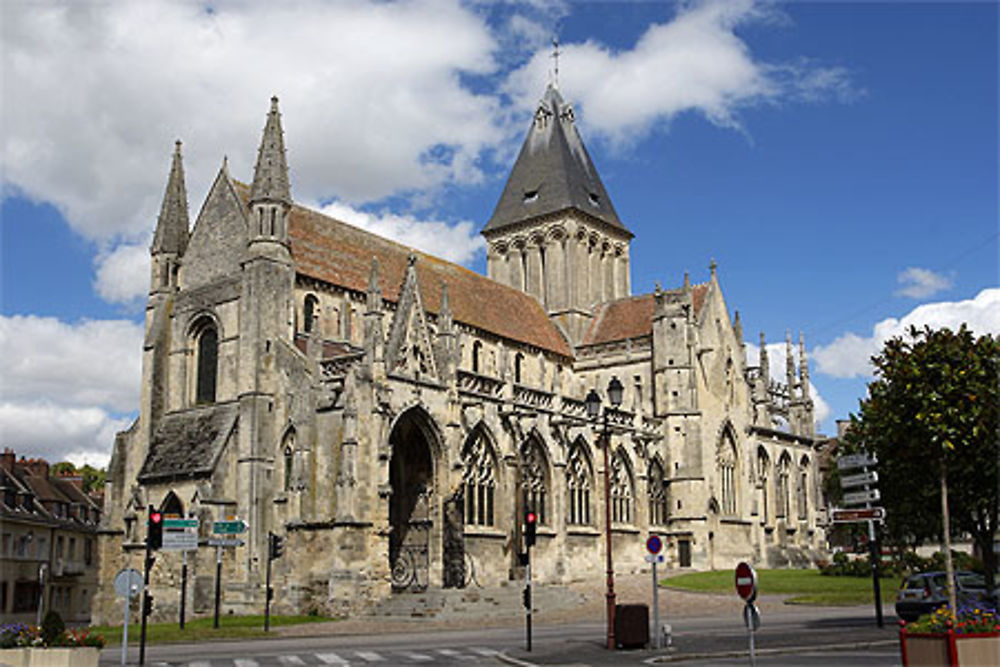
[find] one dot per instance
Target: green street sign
(234, 527)
(177, 524)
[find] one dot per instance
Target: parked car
(923, 593)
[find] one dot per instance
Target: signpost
(229, 527)
(746, 588)
(866, 480)
(128, 583)
(226, 527)
(654, 545)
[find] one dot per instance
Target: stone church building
(392, 414)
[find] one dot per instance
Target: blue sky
(838, 160)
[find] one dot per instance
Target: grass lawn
(803, 586)
(230, 627)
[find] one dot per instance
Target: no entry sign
(746, 582)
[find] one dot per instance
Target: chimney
(38, 467)
(7, 459)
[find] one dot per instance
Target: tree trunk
(949, 567)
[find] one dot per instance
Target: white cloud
(776, 356)
(94, 362)
(921, 283)
(850, 354)
(371, 93)
(459, 242)
(60, 433)
(696, 62)
(123, 273)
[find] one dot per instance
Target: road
(790, 637)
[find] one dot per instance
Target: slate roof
(340, 254)
(553, 172)
(187, 444)
(632, 317)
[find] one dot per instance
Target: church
(393, 416)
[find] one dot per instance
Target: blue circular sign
(654, 544)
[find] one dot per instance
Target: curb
(511, 660)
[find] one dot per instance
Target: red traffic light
(531, 517)
(156, 517)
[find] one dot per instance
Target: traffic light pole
(267, 588)
(143, 609)
(527, 600)
(218, 585)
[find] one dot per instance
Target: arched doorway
(411, 475)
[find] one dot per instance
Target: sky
(837, 160)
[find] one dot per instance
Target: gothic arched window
(288, 460)
(783, 491)
(534, 479)
(803, 488)
(726, 462)
(621, 489)
(172, 505)
(309, 312)
(479, 480)
(207, 360)
(657, 494)
(763, 475)
(477, 350)
(578, 485)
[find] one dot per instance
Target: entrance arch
(411, 504)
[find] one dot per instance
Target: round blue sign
(654, 544)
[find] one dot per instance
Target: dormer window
(530, 196)
(594, 199)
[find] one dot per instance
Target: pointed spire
(737, 327)
(687, 281)
(172, 226)
(712, 266)
(789, 362)
(270, 176)
(765, 367)
(374, 292)
(553, 172)
(803, 366)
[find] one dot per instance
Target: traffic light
(147, 605)
(154, 529)
(277, 546)
(530, 527)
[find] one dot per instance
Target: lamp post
(593, 402)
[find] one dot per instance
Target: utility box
(632, 625)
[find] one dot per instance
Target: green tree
(932, 418)
(93, 478)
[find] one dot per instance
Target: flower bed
(942, 638)
(24, 645)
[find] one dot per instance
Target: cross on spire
(555, 58)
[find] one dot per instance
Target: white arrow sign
(860, 479)
(856, 461)
(862, 497)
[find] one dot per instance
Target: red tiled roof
(341, 254)
(632, 317)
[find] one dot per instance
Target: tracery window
(479, 480)
(534, 479)
(578, 485)
(726, 462)
(763, 475)
(657, 494)
(309, 312)
(207, 360)
(782, 487)
(803, 488)
(621, 489)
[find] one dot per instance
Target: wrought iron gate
(409, 546)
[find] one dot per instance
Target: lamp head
(615, 389)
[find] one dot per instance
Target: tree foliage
(936, 396)
(93, 478)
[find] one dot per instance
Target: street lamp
(593, 402)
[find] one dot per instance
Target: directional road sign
(856, 461)
(233, 527)
(860, 479)
(862, 497)
(225, 542)
(179, 524)
(852, 516)
(746, 582)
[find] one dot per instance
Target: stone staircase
(474, 602)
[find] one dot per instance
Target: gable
(219, 240)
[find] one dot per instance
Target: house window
(621, 490)
(657, 494)
(88, 552)
(578, 485)
(207, 363)
(518, 362)
(479, 480)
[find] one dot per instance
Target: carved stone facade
(393, 415)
